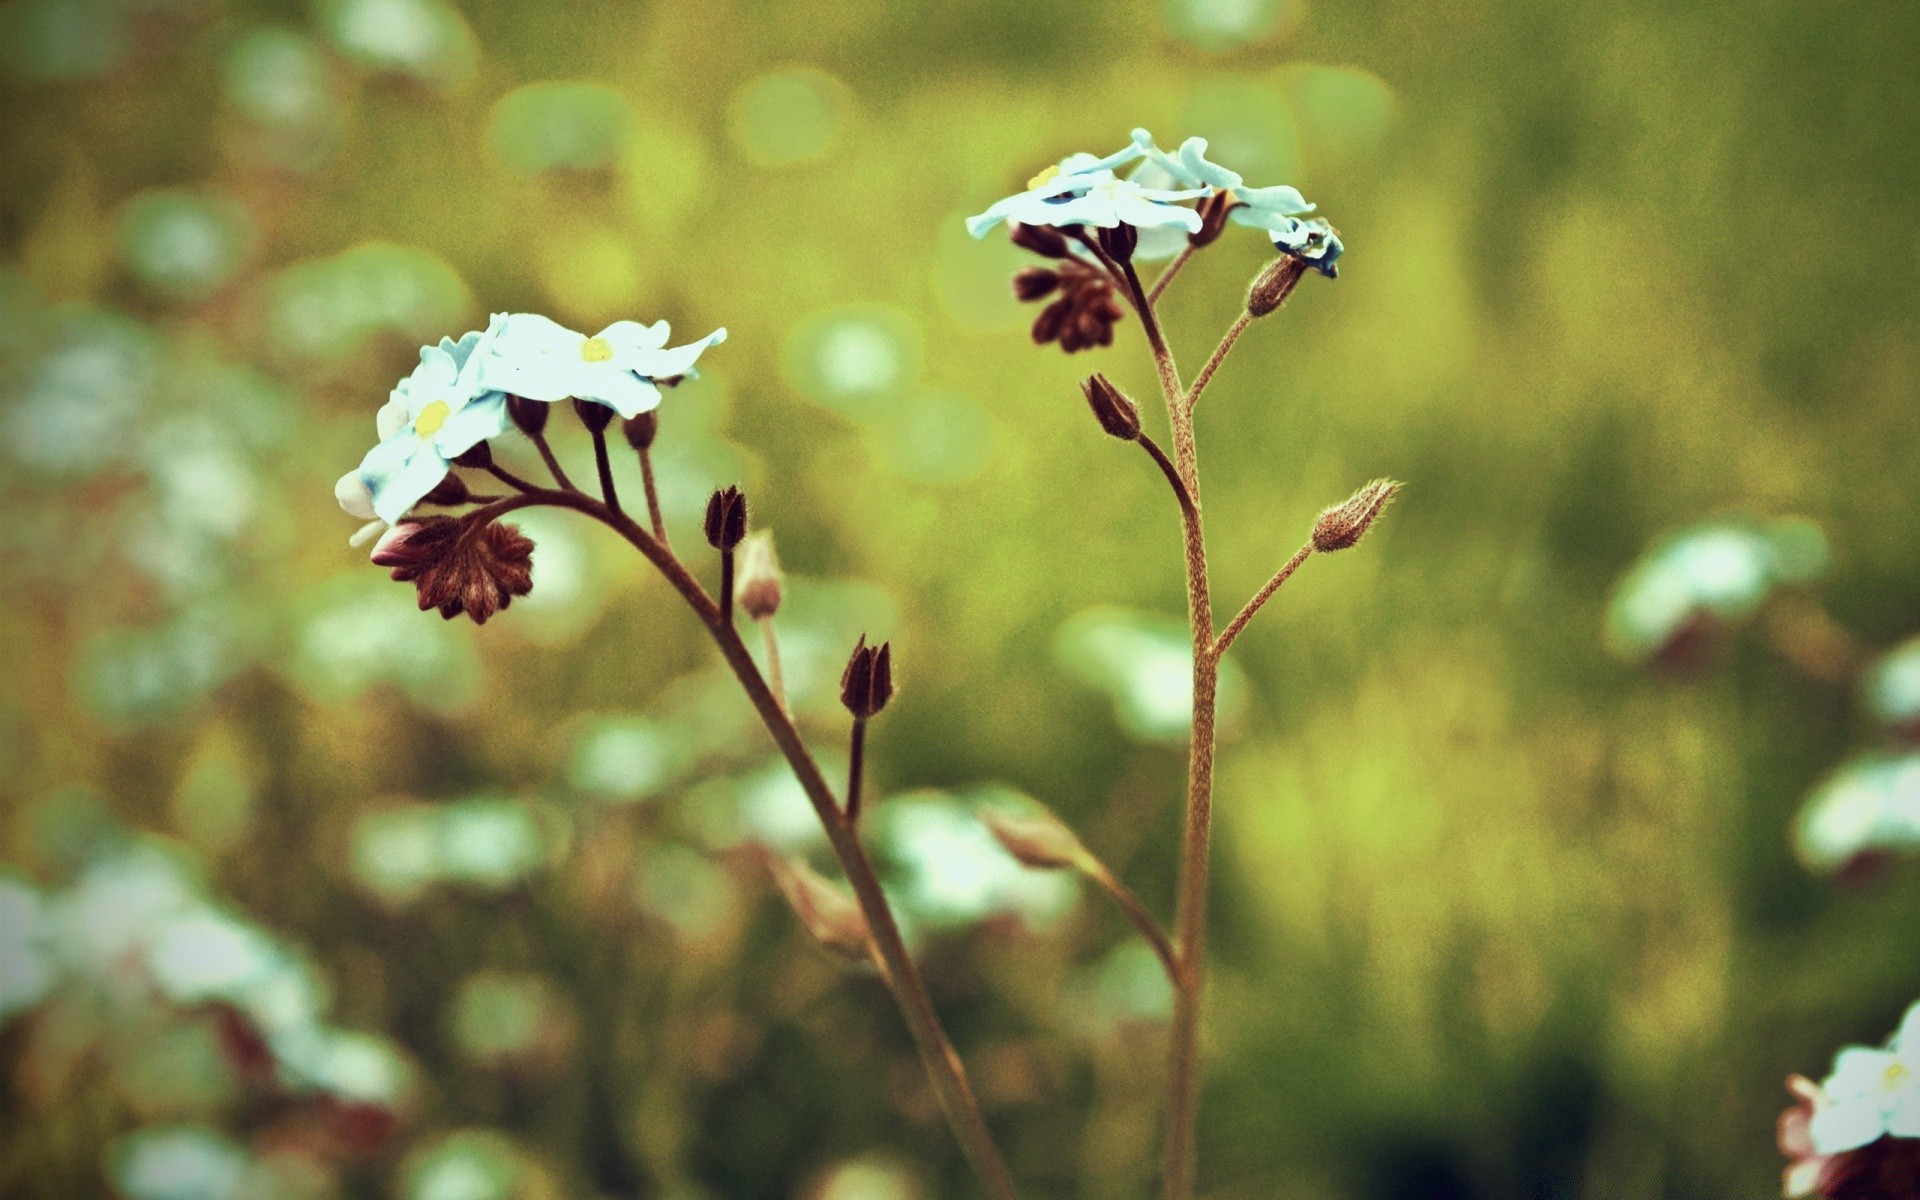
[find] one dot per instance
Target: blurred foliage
(314, 895)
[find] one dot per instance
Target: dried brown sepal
(1213, 219)
(726, 523)
(593, 414)
(1116, 412)
(757, 585)
(867, 683)
(1038, 840)
(457, 567)
(1343, 525)
(1043, 240)
(528, 416)
(478, 456)
(641, 430)
(448, 492)
(825, 909)
(1119, 242)
(1034, 283)
(1274, 284)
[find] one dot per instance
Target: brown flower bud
(867, 683)
(1213, 218)
(1043, 240)
(448, 492)
(1345, 524)
(726, 522)
(478, 456)
(825, 908)
(458, 568)
(1034, 283)
(1038, 839)
(593, 414)
(1274, 284)
(641, 430)
(1117, 414)
(1119, 242)
(757, 585)
(1052, 319)
(529, 416)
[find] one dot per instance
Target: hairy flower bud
(1043, 240)
(479, 456)
(1039, 839)
(1119, 242)
(450, 491)
(867, 683)
(457, 568)
(1345, 524)
(1274, 284)
(529, 416)
(641, 430)
(1034, 283)
(757, 584)
(824, 907)
(594, 415)
(726, 522)
(1117, 414)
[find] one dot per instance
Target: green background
(1496, 914)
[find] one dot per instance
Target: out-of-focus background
(1548, 817)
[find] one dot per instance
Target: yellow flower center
(1896, 1076)
(431, 418)
(595, 350)
(1045, 177)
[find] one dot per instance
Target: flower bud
(1345, 524)
(641, 430)
(478, 456)
(529, 416)
(1043, 240)
(1038, 840)
(757, 583)
(824, 908)
(1274, 284)
(1117, 414)
(1034, 283)
(450, 491)
(1213, 219)
(726, 522)
(593, 414)
(867, 683)
(1119, 242)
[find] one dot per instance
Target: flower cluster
(1856, 1134)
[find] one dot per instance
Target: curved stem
(772, 643)
(605, 467)
(1172, 269)
(1167, 468)
(653, 497)
(1205, 376)
(1260, 597)
(539, 441)
(510, 479)
(1137, 913)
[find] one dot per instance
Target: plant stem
(943, 1066)
(1201, 380)
(539, 441)
(653, 497)
(1137, 913)
(772, 643)
(856, 754)
(606, 470)
(1166, 276)
(510, 479)
(726, 586)
(1260, 597)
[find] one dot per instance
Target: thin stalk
(1137, 913)
(772, 644)
(653, 497)
(1205, 376)
(943, 1066)
(1162, 359)
(1172, 269)
(726, 585)
(856, 755)
(539, 441)
(510, 479)
(605, 466)
(1172, 473)
(1260, 597)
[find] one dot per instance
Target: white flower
(1871, 1093)
(541, 359)
(1083, 190)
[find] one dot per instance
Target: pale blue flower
(433, 416)
(1312, 241)
(619, 367)
(1083, 190)
(1871, 1093)
(1268, 208)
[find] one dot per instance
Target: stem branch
(1172, 269)
(1260, 597)
(1205, 376)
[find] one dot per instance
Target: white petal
(665, 364)
(393, 415)
(418, 477)
(531, 333)
(618, 389)
(355, 497)
(1846, 1126)
(626, 336)
(366, 533)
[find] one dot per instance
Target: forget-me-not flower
(1083, 190)
(1268, 208)
(433, 416)
(1871, 1093)
(541, 359)
(1312, 241)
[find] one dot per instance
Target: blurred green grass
(1496, 916)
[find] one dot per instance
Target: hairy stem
(1205, 376)
(1137, 913)
(539, 441)
(1172, 269)
(1260, 597)
(943, 1066)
